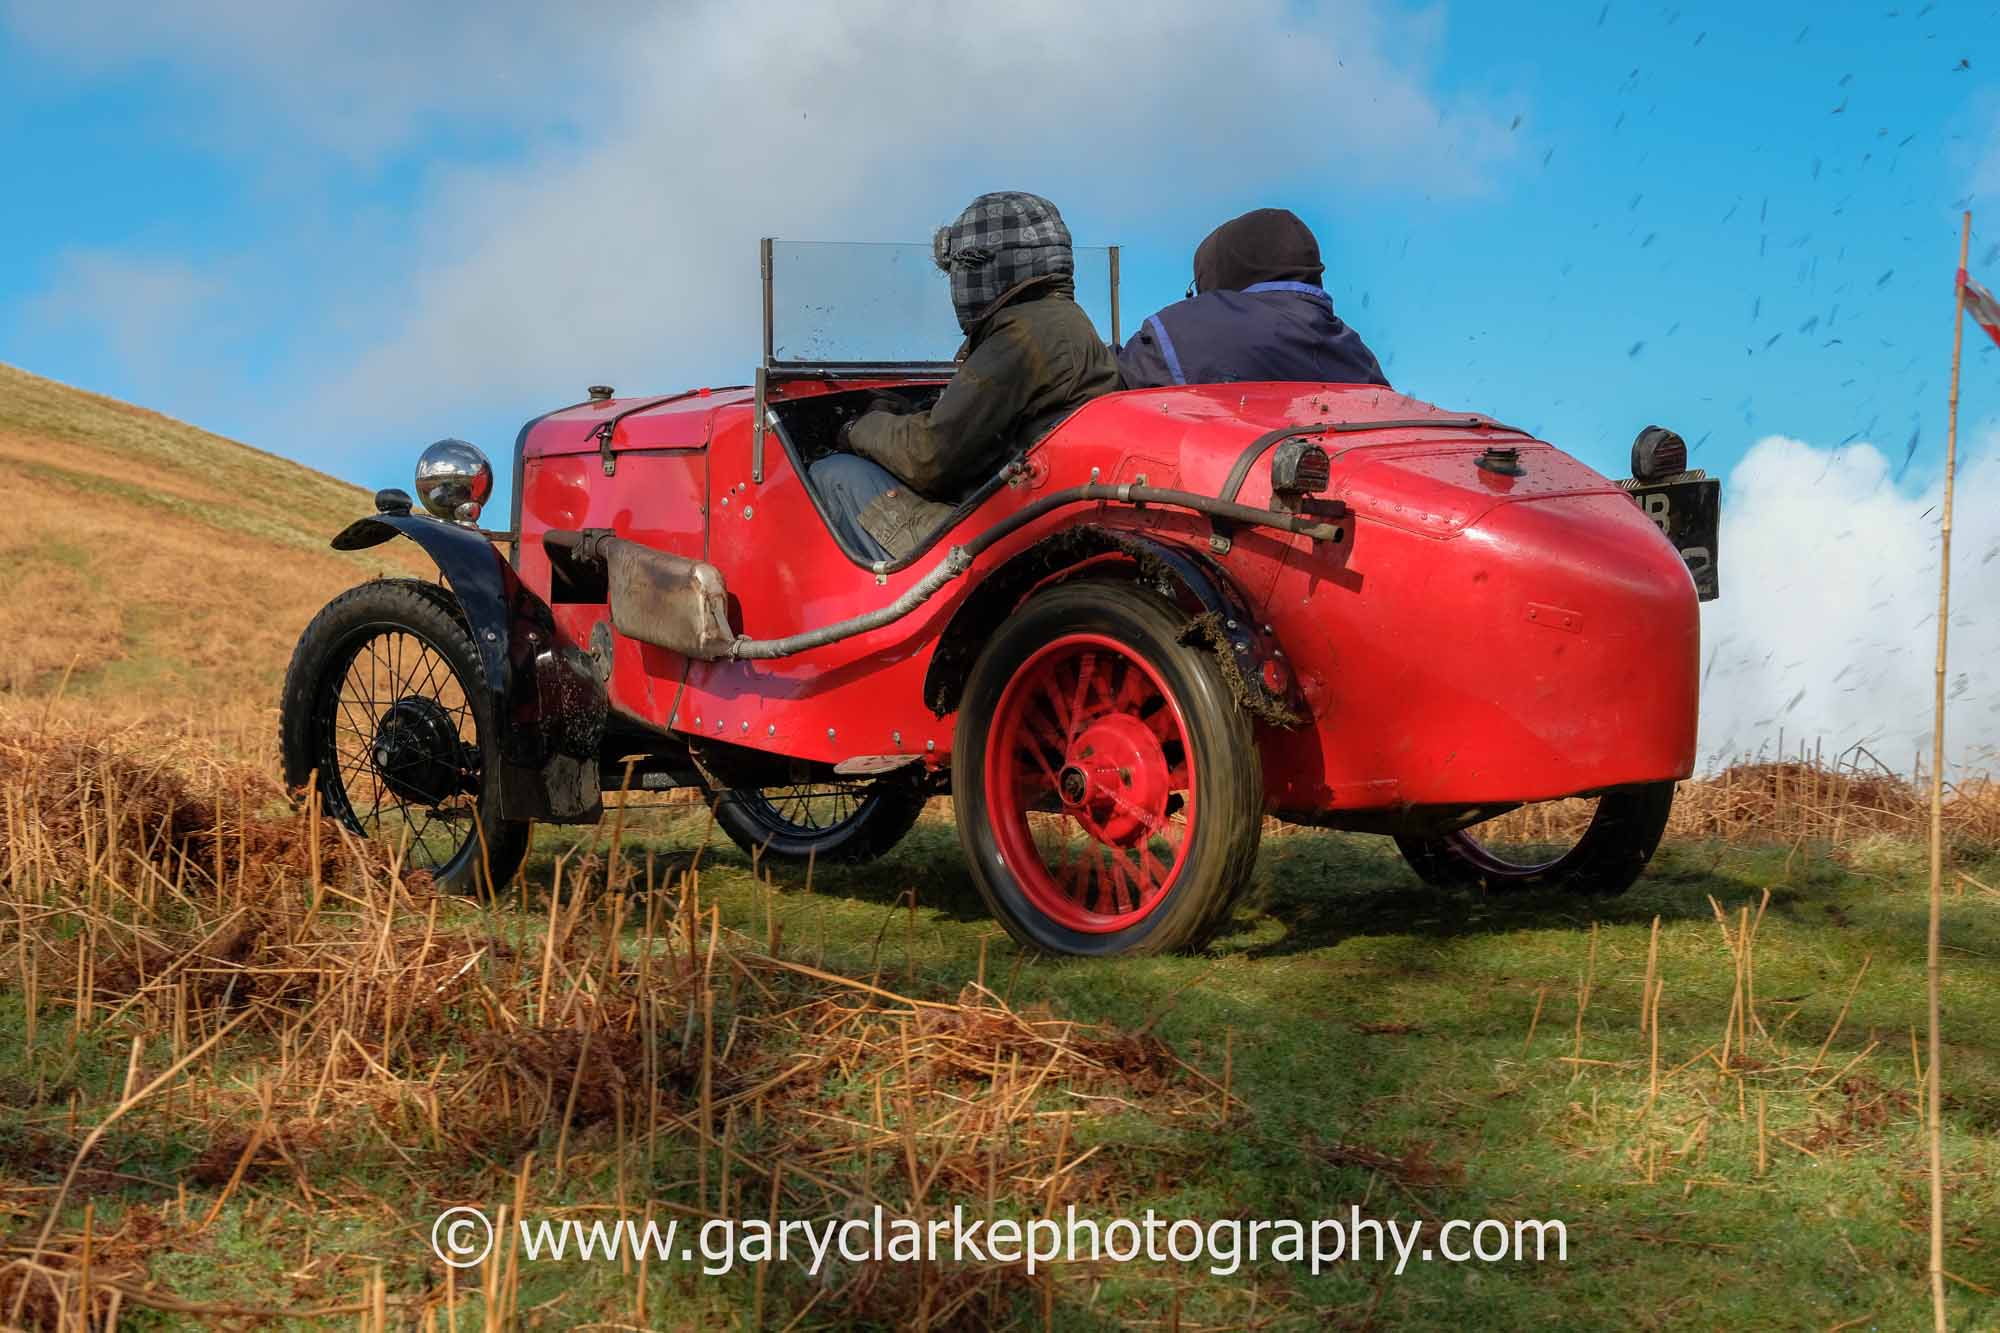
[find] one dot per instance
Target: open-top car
(1179, 612)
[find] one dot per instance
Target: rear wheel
(386, 708)
(837, 821)
(1553, 844)
(1108, 789)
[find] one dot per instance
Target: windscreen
(847, 302)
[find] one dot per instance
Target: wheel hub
(1115, 779)
(417, 753)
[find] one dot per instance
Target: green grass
(1377, 1032)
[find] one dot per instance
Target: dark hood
(1264, 245)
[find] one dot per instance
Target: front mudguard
(551, 704)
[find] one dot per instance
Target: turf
(1386, 1046)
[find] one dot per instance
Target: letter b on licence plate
(1689, 512)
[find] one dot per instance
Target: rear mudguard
(1250, 658)
(549, 700)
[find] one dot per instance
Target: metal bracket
(758, 423)
(604, 434)
(757, 428)
(1114, 296)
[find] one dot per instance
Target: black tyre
(385, 703)
(844, 820)
(1109, 790)
(1614, 847)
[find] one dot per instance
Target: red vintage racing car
(1181, 611)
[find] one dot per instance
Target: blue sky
(1732, 219)
(341, 236)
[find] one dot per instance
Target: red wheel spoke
(1053, 704)
(1148, 862)
(1133, 690)
(1155, 823)
(1119, 689)
(1037, 752)
(1086, 669)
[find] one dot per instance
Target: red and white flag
(1982, 305)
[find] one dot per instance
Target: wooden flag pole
(1932, 1082)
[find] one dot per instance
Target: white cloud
(138, 306)
(616, 241)
(1827, 623)
(362, 77)
(631, 260)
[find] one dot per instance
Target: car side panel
(785, 573)
(658, 498)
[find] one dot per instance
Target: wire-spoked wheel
(1596, 846)
(843, 820)
(1108, 790)
(385, 706)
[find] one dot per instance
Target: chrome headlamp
(454, 480)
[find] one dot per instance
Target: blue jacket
(1267, 331)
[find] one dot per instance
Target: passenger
(1031, 357)
(1255, 311)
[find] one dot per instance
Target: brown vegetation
(1798, 800)
(169, 914)
(154, 567)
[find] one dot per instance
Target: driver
(1255, 311)
(1031, 357)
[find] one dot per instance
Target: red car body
(1476, 638)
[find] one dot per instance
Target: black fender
(550, 701)
(1219, 615)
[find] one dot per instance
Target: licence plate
(1688, 509)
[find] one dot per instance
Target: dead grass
(154, 565)
(161, 914)
(1798, 800)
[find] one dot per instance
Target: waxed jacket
(1028, 364)
(1266, 331)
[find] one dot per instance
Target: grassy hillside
(1710, 1081)
(244, 1065)
(166, 569)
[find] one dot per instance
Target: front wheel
(1547, 845)
(386, 708)
(1108, 789)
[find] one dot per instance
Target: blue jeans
(846, 483)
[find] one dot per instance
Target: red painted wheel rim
(1090, 784)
